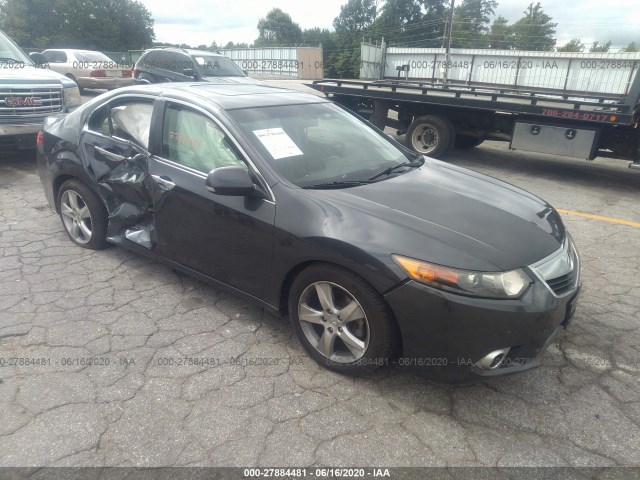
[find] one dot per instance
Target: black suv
(161, 65)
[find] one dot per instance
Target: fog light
(493, 360)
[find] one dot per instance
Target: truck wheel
(465, 141)
(431, 135)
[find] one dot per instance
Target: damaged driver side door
(115, 146)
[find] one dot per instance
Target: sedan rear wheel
(341, 320)
(83, 215)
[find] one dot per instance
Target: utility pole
(447, 57)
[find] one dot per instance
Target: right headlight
(510, 284)
(72, 98)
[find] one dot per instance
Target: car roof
(188, 51)
(228, 96)
(72, 50)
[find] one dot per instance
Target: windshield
(217, 66)
(92, 57)
(311, 144)
(11, 53)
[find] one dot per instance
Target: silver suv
(29, 92)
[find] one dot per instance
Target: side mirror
(189, 72)
(38, 58)
(234, 181)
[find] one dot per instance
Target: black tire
(97, 221)
(145, 79)
(465, 142)
(442, 135)
(381, 339)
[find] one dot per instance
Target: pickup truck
(29, 92)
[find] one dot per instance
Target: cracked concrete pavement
(103, 338)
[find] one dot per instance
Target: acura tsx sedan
(377, 254)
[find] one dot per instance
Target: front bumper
(21, 128)
(445, 335)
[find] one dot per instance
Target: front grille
(560, 270)
(564, 283)
(20, 102)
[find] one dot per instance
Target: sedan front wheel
(341, 320)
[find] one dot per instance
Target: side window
(55, 56)
(132, 121)
(125, 120)
(100, 121)
(148, 60)
(177, 62)
(193, 140)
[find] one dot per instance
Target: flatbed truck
(435, 118)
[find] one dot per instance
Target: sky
(198, 22)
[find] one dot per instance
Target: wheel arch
(57, 183)
(285, 288)
(73, 173)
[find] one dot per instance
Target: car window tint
(148, 59)
(92, 57)
(178, 62)
(132, 121)
(193, 140)
(55, 56)
(217, 66)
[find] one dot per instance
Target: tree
(471, 23)
(355, 17)
(231, 45)
(417, 23)
(314, 37)
(112, 25)
(500, 35)
(534, 31)
(595, 48)
(632, 47)
(573, 45)
(278, 29)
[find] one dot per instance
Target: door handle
(164, 182)
(110, 155)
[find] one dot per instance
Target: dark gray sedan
(378, 255)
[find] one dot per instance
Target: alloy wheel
(76, 216)
(334, 322)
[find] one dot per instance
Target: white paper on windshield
(278, 143)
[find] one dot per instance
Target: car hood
(33, 76)
(450, 216)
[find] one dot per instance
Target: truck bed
(609, 109)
